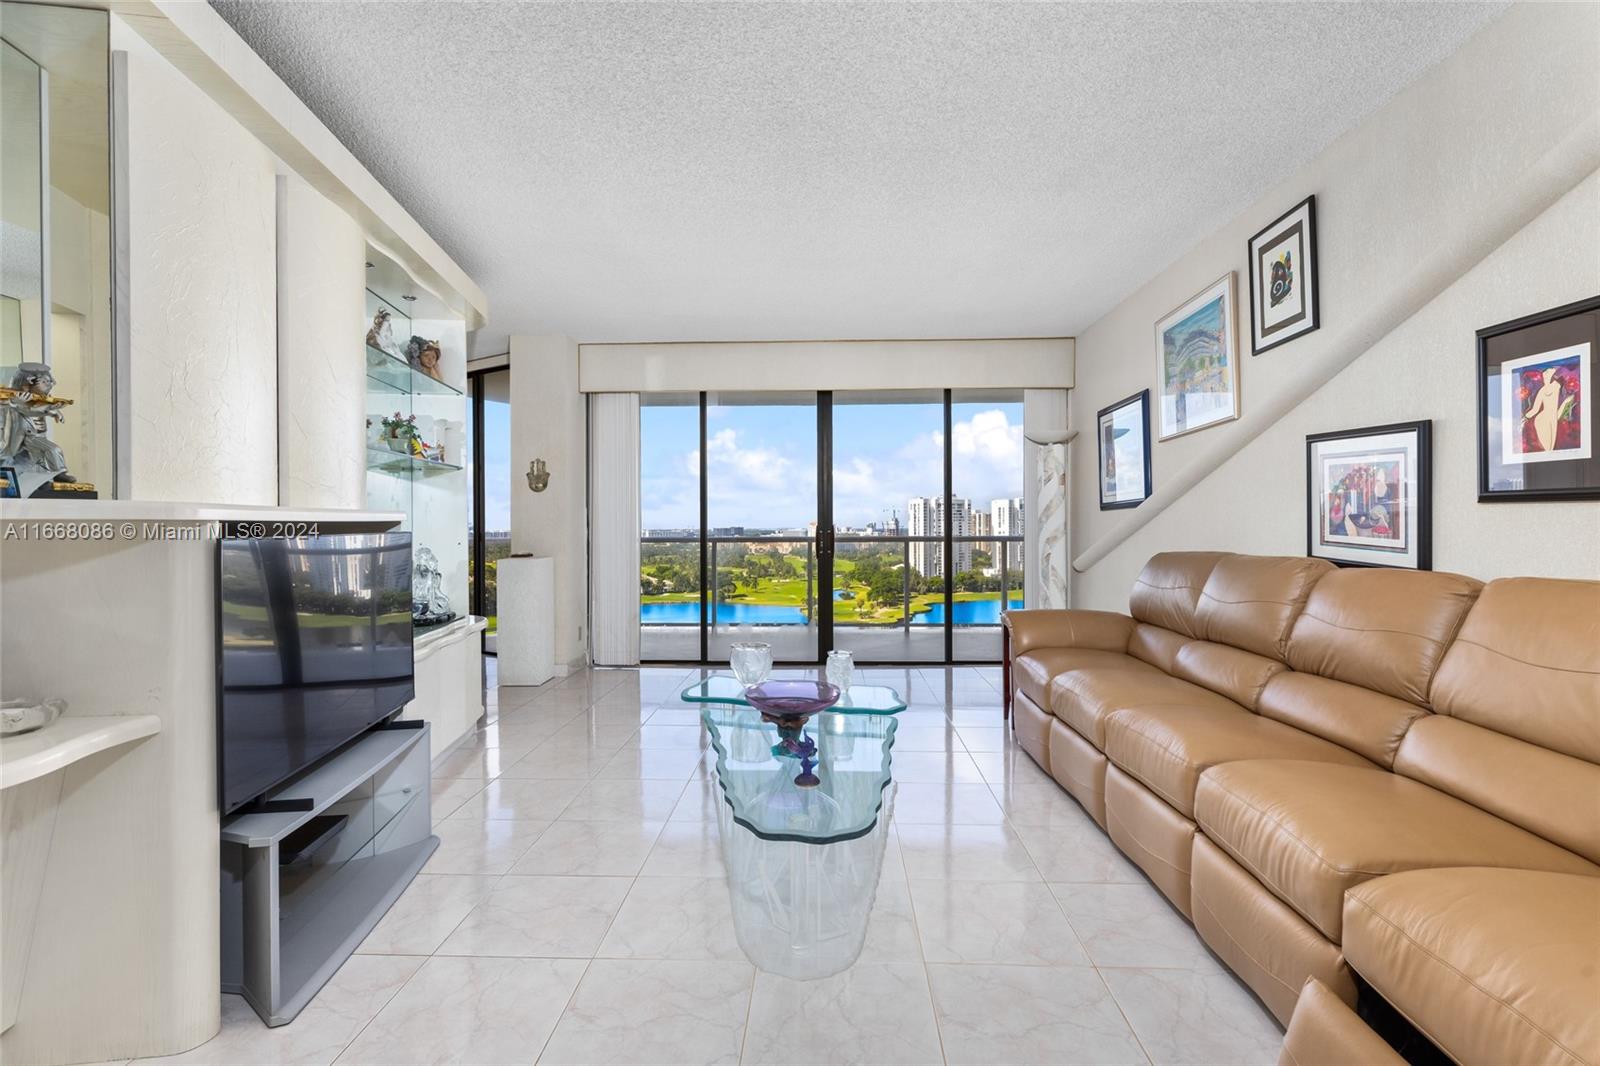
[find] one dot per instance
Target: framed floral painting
(1536, 396)
(1369, 496)
(1124, 454)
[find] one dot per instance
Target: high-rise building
(925, 518)
(1005, 520)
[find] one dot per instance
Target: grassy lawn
(791, 592)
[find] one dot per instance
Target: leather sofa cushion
(1032, 672)
(1309, 831)
(1168, 748)
(1324, 1031)
(1238, 675)
(1493, 965)
(1168, 588)
(1362, 720)
(1527, 663)
(1252, 601)
(1084, 698)
(1157, 646)
(1270, 947)
(1382, 629)
(1552, 795)
(1099, 630)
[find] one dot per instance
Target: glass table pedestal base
(800, 910)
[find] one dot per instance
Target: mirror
(21, 207)
(55, 208)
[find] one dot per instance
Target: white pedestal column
(527, 609)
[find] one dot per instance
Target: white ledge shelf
(63, 742)
(162, 511)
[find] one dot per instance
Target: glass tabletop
(857, 699)
(817, 785)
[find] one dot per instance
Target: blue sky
(762, 461)
(497, 465)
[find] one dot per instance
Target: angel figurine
(381, 335)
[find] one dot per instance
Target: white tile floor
(577, 912)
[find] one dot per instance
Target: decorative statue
(31, 464)
(381, 336)
(424, 355)
(429, 605)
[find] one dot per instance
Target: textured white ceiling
(779, 171)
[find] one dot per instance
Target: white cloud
(758, 485)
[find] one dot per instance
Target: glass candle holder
(751, 661)
(841, 664)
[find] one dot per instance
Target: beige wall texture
(549, 422)
(202, 292)
(1469, 199)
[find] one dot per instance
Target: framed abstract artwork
(1536, 395)
(1124, 434)
(1197, 364)
(1283, 278)
(1369, 496)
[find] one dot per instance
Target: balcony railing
(786, 594)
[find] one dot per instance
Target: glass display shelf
(760, 774)
(390, 373)
(396, 463)
(857, 699)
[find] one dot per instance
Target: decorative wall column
(1044, 425)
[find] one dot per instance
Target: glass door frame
(477, 572)
(826, 542)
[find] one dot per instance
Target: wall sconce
(538, 475)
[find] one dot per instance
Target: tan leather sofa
(1327, 769)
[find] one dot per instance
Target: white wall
(202, 266)
(548, 422)
(322, 380)
(1468, 200)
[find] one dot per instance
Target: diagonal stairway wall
(1470, 198)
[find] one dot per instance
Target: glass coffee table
(803, 860)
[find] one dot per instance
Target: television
(313, 649)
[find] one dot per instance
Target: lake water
(967, 613)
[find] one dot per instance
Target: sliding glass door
(760, 469)
(489, 471)
(887, 524)
(888, 507)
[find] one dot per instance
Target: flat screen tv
(313, 648)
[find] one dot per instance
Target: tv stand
(354, 829)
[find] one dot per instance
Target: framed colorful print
(1283, 278)
(1197, 361)
(1536, 396)
(1369, 496)
(1125, 452)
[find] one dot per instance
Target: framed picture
(1197, 364)
(1283, 278)
(1369, 496)
(1536, 396)
(1125, 452)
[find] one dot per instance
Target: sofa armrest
(1097, 630)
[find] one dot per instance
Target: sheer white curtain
(614, 528)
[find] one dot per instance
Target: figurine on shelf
(429, 605)
(34, 465)
(381, 335)
(424, 355)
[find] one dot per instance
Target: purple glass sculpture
(794, 700)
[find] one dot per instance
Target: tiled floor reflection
(577, 911)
